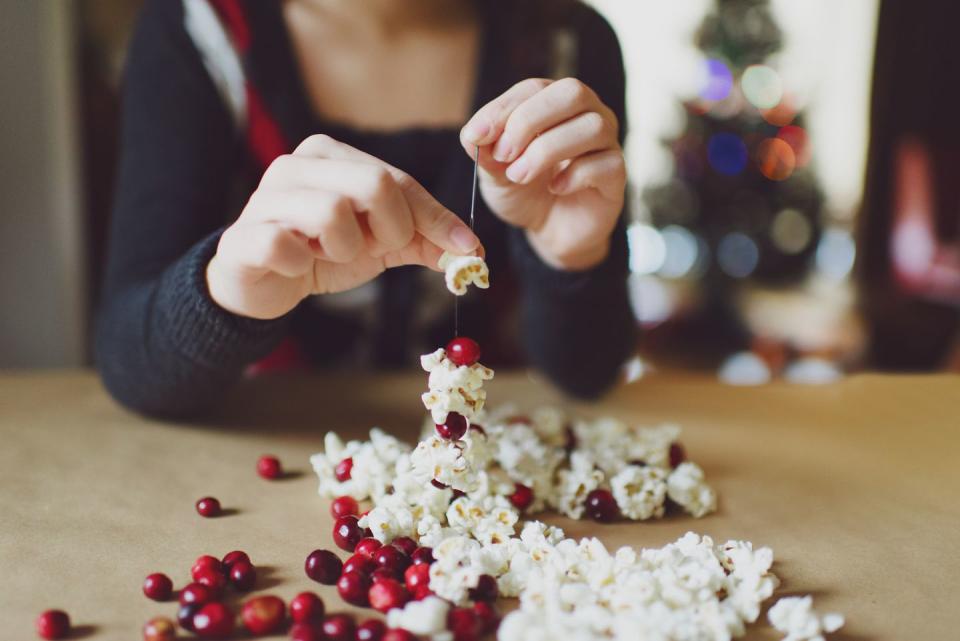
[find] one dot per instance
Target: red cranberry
(353, 588)
(398, 634)
(677, 454)
(465, 624)
(208, 507)
(405, 544)
(463, 351)
(478, 428)
(159, 629)
(185, 615)
(323, 566)
(53, 624)
(422, 592)
(339, 627)
(344, 470)
(344, 506)
(269, 467)
(453, 428)
(347, 533)
(601, 506)
(383, 574)
(307, 607)
(263, 614)
(422, 555)
(243, 576)
(212, 579)
(437, 484)
(417, 575)
(522, 497)
(359, 563)
(489, 619)
(392, 559)
(370, 630)
(307, 632)
(386, 595)
(197, 593)
(457, 494)
(205, 562)
(158, 587)
(233, 557)
(367, 547)
(486, 589)
(213, 621)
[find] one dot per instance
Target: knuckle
(316, 144)
(594, 124)
(280, 166)
(381, 182)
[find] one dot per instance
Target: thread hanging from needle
(473, 210)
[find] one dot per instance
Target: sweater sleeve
(162, 346)
(578, 327)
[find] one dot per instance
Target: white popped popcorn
(447, 462)
(687, 487)
(640, 491)
(574, 484)
(796, 618)
(426, 618)
(453, 388)
(461, 271)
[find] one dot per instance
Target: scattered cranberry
(370, 630)
(205, 562)
(213, 621)
(243, 576)
(353, 588)
(417, 575)
(437, 484)
(601, 506)
(398, 634)
(392, 558)
(486, 589)
(233, 557)
(159, 629)
(387, 594)
(185, 615)
(306, 632)
(383, 574)
(269, 467)
(489, 619)
(347, 533)
(463, 351)
(677, 454)
(158, 587)
(359, 563)
(465, 624)
(212, 579)
(405, 544)
(422, 555)
(307, 607)
(323, 566)
(208, 507)
(367, 547)
(197, 593)
(53, 624)
(263, 614)
(453, 428)
(339, 627)
(522, 497)
(344, 470)
(344, 506)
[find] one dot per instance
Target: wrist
(569, 259)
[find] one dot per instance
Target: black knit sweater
(163, 347)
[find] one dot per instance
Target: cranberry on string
(453, 428)
(463, 351)
(344, 470)
(601, 506)
(522, 497)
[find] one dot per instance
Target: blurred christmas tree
(741, 200)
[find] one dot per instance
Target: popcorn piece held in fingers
(462, 271)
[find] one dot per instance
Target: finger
(420, 251)
(488, 123)
(266, 247)
(583, 134)
(602, 170)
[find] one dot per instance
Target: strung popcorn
(461, 271)
(454, 387)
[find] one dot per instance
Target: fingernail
(518, 171)
(464, 239)
(476, 131)
(502, 151)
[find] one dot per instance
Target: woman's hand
(324, 219)
(552, 165)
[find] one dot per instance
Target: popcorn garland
(461, 271)
(453, 387)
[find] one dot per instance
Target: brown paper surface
(856, 487)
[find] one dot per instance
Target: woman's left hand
(551, 164)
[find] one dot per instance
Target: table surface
(854, 485)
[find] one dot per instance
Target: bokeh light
(683, 252)
(791, 231)
(717, 80)
(798, 140)
(762, 86)
(737, 255)
(651, 299)
(727, 153)
(836, 253)
(781, 115)
(775, 159)
(647, 249)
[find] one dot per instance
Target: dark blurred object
(914, 158)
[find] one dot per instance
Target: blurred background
(793, 175)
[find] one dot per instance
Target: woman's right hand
(325, 219)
